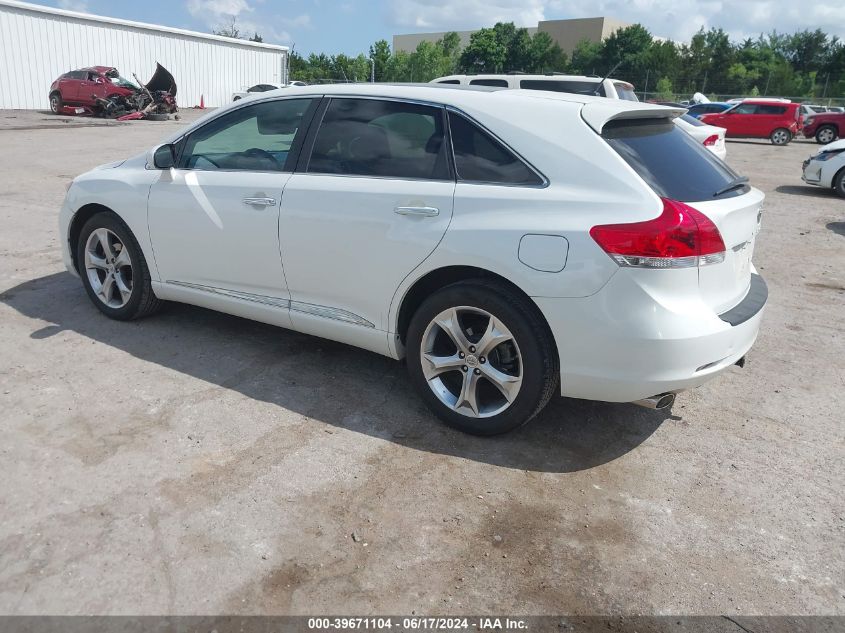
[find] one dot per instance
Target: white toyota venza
(509, 244)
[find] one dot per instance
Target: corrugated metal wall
(37, 46)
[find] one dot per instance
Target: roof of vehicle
(94, 69)
(552, 76)
(596, 111)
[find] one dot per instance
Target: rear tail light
(680, 237)
(711, 140)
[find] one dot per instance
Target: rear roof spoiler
(597, 113)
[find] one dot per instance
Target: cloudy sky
(350, 26)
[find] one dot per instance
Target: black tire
(780, 136)
(839, 183)
(826, 134)
(142, 300)
(158, 117)
(236, 99)
(539, 362)
(56, 102)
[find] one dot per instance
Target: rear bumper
(624, 344)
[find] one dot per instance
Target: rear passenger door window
(572, 87)
(381, 138)
(498, 83)
(481, 158)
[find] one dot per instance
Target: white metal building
(38, 43)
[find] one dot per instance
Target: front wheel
(839, 183)
(825, 135)
(56, 103)
(481, 357)
(780, 136)
(113, 269)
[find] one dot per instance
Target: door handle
(260, 202)
(428, 212)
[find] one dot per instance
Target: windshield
(625, 91)
(673, 164)
(123, 83)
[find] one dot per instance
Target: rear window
(692, 120)
(673, 164)
(449, 81)
(499, 83)
(625, 92)
(572, 87)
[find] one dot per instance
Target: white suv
(511, 244)
(554, 82)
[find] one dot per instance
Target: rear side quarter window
(479, 157)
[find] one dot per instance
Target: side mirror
(163, 157)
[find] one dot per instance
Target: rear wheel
(839, 182)
(481, 357)
(113, 269)
(826, 134)
(780, 136)
(56, 103)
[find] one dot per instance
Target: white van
(556, 82)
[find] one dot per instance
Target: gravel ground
(196, 463)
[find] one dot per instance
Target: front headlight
(829, 155)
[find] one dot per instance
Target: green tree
(485, 53)
(380, 54)
(586, 57)
(664, 90)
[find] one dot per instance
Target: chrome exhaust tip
(660, 401)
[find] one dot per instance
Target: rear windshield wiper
(736, 183)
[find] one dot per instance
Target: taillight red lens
(711, 140)
(680, 237)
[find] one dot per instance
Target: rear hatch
(677, 168)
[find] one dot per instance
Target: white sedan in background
(826, 168)
(259, 88)
(511, 245)
(712, 137)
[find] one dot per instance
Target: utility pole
(645, 87)
(372, 70)
(766, 89)
(826, 79)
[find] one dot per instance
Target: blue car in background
(698, 109)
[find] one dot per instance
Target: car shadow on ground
(836, 227)
(334, 383)
(806, 190)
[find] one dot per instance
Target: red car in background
(84, 86)
(778, 121)
(826, 127)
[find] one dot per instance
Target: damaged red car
(100, 90)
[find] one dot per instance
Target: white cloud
(675, 19)
(74, 5)
(298, 22)
(447, 14)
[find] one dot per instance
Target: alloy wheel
(826, 135)
(471, 362)
(109, 268)
(780, 137)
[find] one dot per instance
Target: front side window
(744, 108)
(255, 138)
(481, 158)
(388, 139)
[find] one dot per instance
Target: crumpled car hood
(162, 80)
